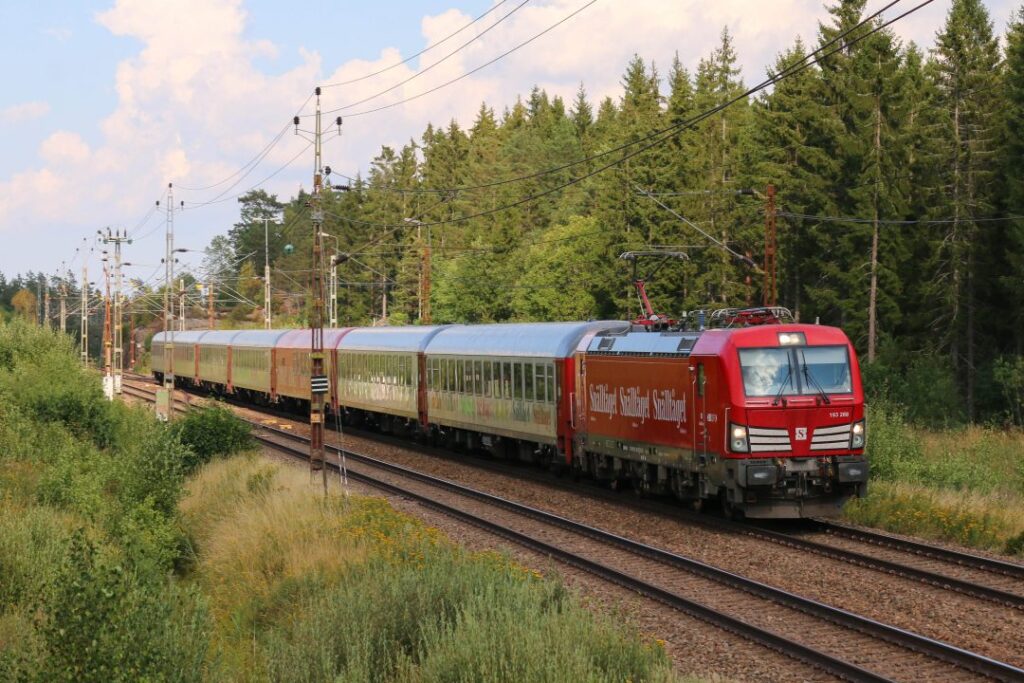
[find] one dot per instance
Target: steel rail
(786, 646)
(989, 564)
(773, 641)
(940, 650)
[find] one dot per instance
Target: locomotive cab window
(825, 369)
(805, 370)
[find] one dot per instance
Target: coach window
(517, 381)
(478, 377)
(528, 381)
(487, 378)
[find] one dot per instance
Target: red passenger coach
(767, 419)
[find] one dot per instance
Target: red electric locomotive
(764, 417)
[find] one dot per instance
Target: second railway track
(837, 641)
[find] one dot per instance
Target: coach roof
(302, 338)
(408, 338)
(545, 340)
(259, 339)
(190, 337)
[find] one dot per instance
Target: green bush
(211, 431)
(41, 374)
(105, 622)
(893, 448)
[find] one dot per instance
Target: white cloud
(25, 111)
(64, 147)
(193, 106)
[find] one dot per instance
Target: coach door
(698, 403)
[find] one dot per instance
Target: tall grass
(964, 485)
(346, 589)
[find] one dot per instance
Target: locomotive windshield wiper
(785, 383)
(811, 380)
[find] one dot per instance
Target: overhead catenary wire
(426, 69)
(252, 163)
(421, 52)
(221, 199)
(665, 134)
(885, 221)
(794, 68)
(471, 71)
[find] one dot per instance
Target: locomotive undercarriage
(757, 488)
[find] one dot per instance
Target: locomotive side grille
(826, 438)
(766, 440)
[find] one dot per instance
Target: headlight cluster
(857, 435)
(738, 441)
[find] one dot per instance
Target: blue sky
(107, 101)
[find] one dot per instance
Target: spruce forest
(899, 186)
(899, 192)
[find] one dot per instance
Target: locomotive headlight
(738, 442)
(792, 339)
(857, 435)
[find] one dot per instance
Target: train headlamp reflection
(792, 339)
(738, 442)
(857, 435)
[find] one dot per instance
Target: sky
(105, 103)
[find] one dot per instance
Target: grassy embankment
(125, 555)
(962, 485)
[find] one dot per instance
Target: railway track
(984, 578)
(839, 642)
